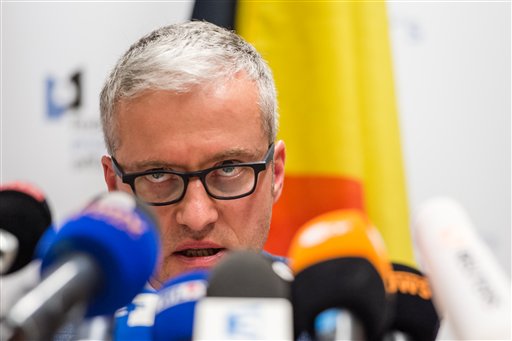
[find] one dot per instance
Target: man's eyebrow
(236, 153)
(138, 166)
(242, 154)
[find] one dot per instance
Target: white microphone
(469, 288)
(247, 299)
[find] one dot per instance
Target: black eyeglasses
(161, 187)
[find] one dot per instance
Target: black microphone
(414, 316)
(24, 216)
(97, 262)
(340, 263)
(249, 274)
(247, 298)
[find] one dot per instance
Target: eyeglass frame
(258, 167)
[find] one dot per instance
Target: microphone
(97, 262)
(176, 305)
(136, 320)
(469, 288)
(24, 216)
(340, 264)
(414, 317)
(8, 250)
(247, 298)
(96, 328)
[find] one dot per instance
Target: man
(189, 116)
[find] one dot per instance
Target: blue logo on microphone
(245, 322)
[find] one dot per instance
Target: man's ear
(279, 159)
(108, 173)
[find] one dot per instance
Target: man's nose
(197, 209)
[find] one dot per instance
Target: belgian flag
(333, 70)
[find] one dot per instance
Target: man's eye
(157, 177)
(228, 170)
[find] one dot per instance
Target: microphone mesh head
(247, 274)
(349, 284)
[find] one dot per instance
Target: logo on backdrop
(66, 107)
(63, 95)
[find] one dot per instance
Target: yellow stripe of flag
(333, 70)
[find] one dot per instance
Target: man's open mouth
(199, 252)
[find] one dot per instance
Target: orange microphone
(340, 264)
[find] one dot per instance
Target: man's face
(190, 132)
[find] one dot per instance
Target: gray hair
(177, 58)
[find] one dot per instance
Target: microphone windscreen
(248, 274)
(351, 284)
(340, 261)
(414, 311)
(335, 234)
(24, 212)
(174, 319)
(248, 298)
(121, 236)
(470, 289)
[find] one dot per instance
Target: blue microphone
(174, 320)
(95, 264)
(44, 243)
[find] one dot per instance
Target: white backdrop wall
(452, 70)
(452, 67)
(54, 40)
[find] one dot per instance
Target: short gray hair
(178, 57)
